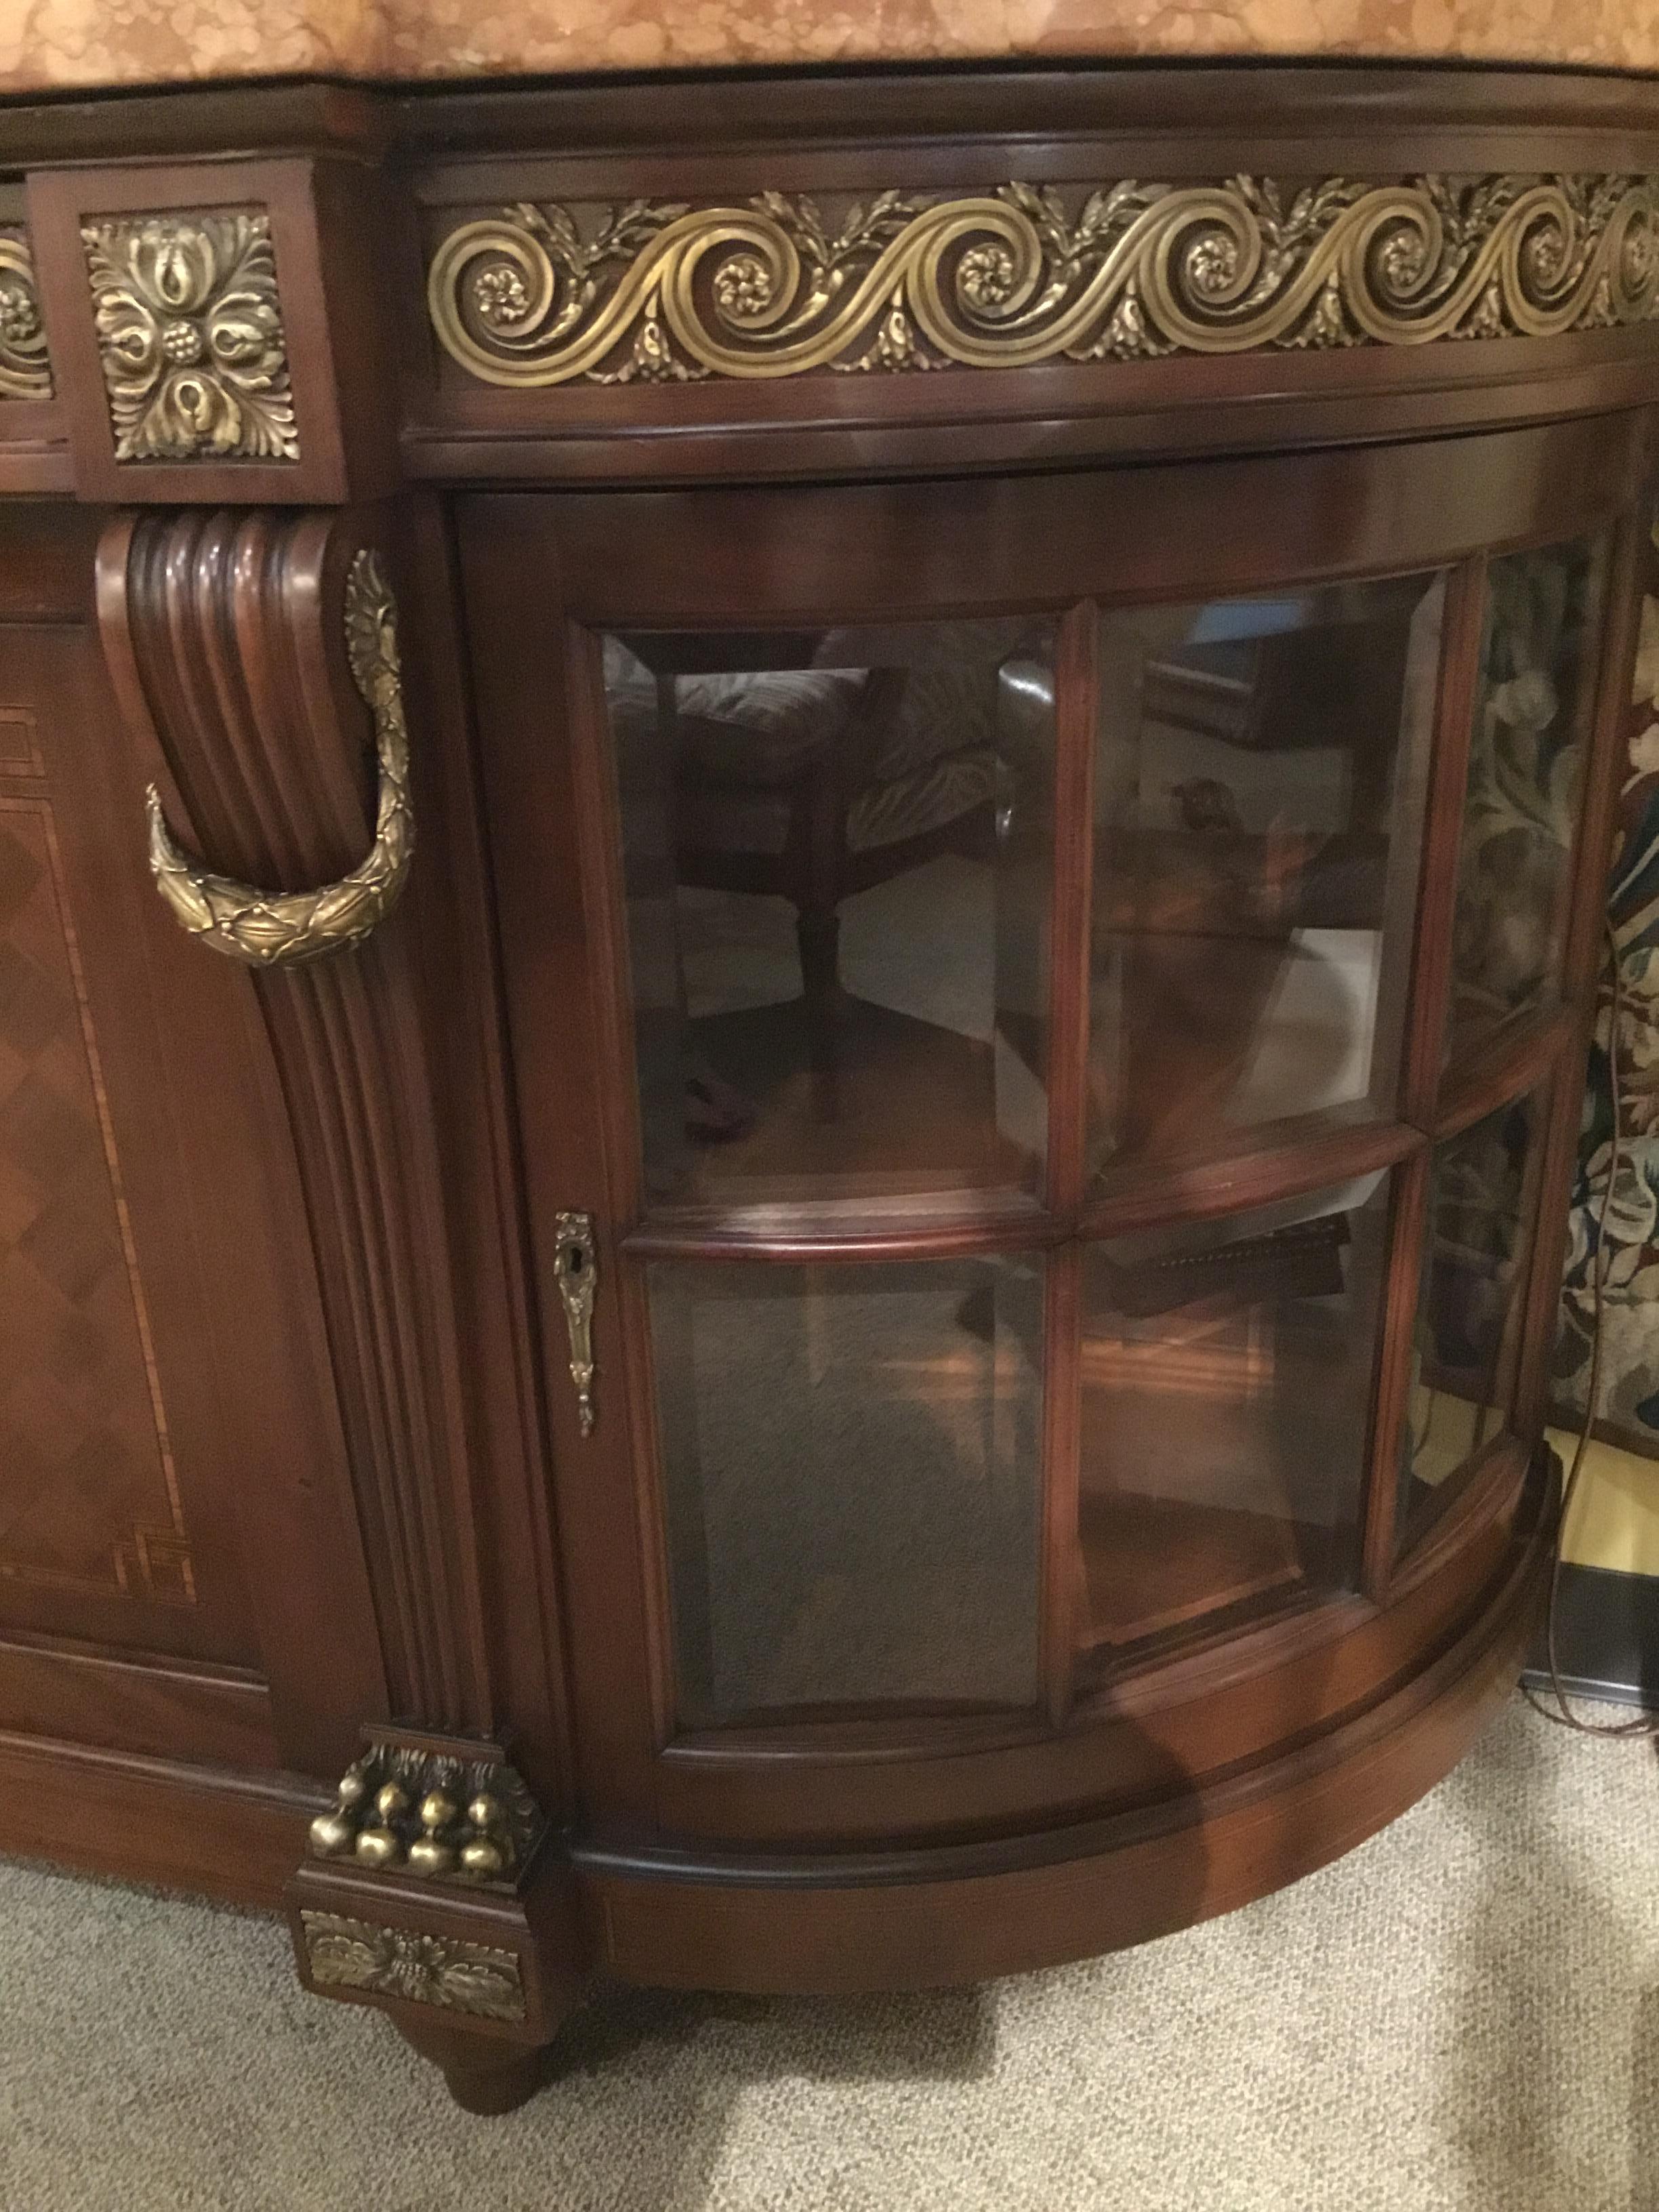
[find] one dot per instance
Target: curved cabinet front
(1045, 1019)
(885, 1315)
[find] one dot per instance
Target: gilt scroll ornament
(276, 929)
(346, 1954)
(25, 371)
(190, 334)
(663, 291)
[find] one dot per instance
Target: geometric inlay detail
(771, 287)
(19, 742)
(190, 333)
(394, 1962)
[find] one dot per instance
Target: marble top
(56, 43)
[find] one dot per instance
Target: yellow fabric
(1615, 1515)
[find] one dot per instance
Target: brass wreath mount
(280, 929)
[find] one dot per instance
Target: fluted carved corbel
(255, 651)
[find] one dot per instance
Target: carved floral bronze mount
(25, 371)
(444, 1810)
(663, 291)
(190, 334)
(344, 1953)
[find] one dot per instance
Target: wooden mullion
(1582, 960)
(1071, 908)
(1076, 722)
(1258, 1173)
(1407, 1227)
(1062, 1430)
(1454, 720)
(1515, 1061)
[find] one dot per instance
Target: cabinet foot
(482, 2074)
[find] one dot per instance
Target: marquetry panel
(88, 1489)
(171, 1479)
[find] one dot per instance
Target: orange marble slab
(46, 43)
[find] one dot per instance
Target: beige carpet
(1463, 2016)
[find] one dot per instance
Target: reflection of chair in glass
(1207, 878)
(861, 759)
(812, 784)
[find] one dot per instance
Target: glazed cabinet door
(1034, 1144)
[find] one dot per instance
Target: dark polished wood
(962, 1916)
(181, 1823)
(863, 1589)
(483, 2078)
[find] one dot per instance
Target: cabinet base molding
(480, 1980)
(959, 1915)
(204, 1829)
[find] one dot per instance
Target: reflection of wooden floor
(905, 1105)
(1151, 1564)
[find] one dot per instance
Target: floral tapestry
(1629, 1393)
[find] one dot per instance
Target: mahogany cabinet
(799, 885)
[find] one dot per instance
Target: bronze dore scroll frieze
(663, 291)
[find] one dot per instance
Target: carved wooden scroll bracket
(224, 635)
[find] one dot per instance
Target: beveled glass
(1257, 827)
(1526, 776)
(1466, 1341)
(838, 857)
(851, 1459)
(1228, 1373)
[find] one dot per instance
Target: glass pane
(1526, 770)
(1467, 1342)
(1256, 842)
(837, 859)
(852, 1460)
(1227, 1383)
